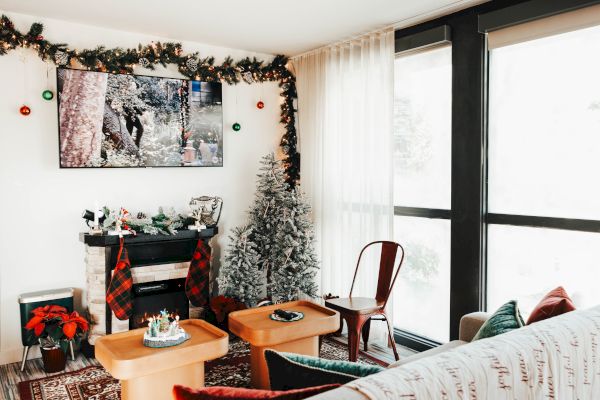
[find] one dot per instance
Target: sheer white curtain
(345, 103)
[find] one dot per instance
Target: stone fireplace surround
(153, 258)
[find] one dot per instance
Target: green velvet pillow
(505, 319)
(295, 371)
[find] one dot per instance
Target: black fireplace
(152, 297)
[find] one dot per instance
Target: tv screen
(118, 120)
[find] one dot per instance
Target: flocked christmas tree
(239, 278)
(272, 192)
(295, 262)
(283, 235)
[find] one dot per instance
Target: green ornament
(236, 127)
(47, 95)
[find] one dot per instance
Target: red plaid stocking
(196, 284)
(119, 296)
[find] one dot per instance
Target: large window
(497, 162)
(422, 180)
(544, 169)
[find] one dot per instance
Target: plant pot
(55, 360)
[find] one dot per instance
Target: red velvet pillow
(224, 393)
(554, 303)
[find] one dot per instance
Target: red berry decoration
(39, 38)
(25, 111)
(260, 105)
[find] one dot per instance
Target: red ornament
(24, 110)
(260, 105)
(39, 38)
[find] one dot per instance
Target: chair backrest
(387, 277)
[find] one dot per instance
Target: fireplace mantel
(113, 240)
(152, 257)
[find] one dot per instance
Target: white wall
(41, 205)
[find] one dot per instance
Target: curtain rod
(404, 23)
(344, 41)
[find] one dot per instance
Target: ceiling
(266, 26)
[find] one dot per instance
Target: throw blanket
(553, 359)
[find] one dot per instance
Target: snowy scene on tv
(108, 120)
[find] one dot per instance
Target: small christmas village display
(164, 331)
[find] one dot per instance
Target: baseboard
(14, 355)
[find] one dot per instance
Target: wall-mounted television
(119, 120)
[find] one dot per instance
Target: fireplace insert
(151, 297)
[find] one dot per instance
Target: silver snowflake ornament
(247, 77)
(61, 57)
(192, 64)
(143, 62)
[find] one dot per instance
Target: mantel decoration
(119, 60)
(205, 213)
(204, 209)
(165, 222)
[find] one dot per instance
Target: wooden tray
(255, 326)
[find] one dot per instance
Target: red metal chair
(358, 311)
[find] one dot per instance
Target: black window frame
(469, 217)
(409, 44)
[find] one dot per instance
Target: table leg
(159, 386)
(259, 372)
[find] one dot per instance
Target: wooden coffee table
(302, 337)
(147, 373)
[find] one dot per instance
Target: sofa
(469, 325)
(557, 358)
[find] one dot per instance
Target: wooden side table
(148, 373)
(302, 337)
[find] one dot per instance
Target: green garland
(166, 222)
(119, 60)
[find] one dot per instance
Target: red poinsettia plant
(220, 307)
(54, 325)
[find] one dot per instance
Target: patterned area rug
(95, 383)
(92, 383)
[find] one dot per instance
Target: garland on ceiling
(119, 60)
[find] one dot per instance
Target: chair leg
(355, 324)
(353, 338)
(365, 332)
(391, 337)
(25, 353)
